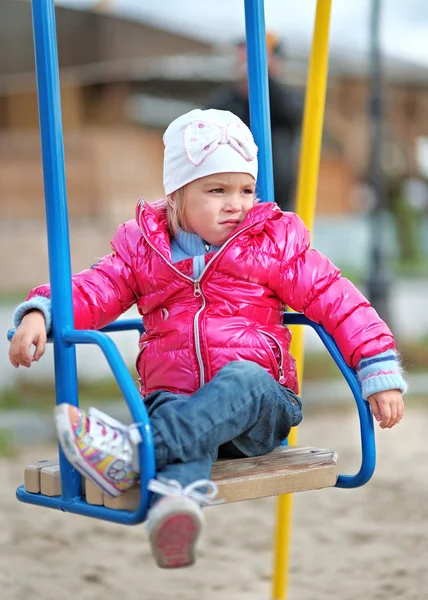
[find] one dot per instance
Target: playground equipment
(55, 484)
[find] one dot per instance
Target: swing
(55, 484)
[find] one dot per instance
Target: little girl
(211, 271)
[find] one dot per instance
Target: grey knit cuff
(37, 302)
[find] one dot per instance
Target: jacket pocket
(270, 342)
(138, 367)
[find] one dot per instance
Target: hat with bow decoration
(205, 142)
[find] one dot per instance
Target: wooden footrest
(286, 470)
(43, 477)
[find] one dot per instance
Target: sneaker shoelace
(171, 487)
(113, 436)
(130, 432)
(108, 438)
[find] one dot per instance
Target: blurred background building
(123, 81)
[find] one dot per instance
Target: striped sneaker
(99, 447)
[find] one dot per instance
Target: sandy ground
(369, 543)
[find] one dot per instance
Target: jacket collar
(152, 220)
(153, 223)
(258, 215)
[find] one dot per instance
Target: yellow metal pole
(306, 203)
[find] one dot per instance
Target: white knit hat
(204, 142)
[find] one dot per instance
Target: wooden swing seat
(286, 470)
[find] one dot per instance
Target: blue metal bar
(139, 416)
(128, 389)
(45, 48)
(125, 325)
(79, 506)
(368, 446)
(259, 94)
(120, 325)
(135, 405)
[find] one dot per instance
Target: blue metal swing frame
(65, 337)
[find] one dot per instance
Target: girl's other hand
(387, 407)
(32, 330)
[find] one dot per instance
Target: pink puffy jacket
(234, 310)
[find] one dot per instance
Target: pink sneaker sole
(173, 541)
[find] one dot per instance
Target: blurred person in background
(286, 110)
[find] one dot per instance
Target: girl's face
(217, 204)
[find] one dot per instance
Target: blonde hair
(175, 210)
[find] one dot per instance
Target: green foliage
(408, 227)
(414, 356)
(7, 447)
(35, 395)
(354, 275)
(320, 366)
(11, 299)
(415, 268)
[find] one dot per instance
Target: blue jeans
(241, 412)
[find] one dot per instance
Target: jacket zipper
(281, 375)
(197, 292)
